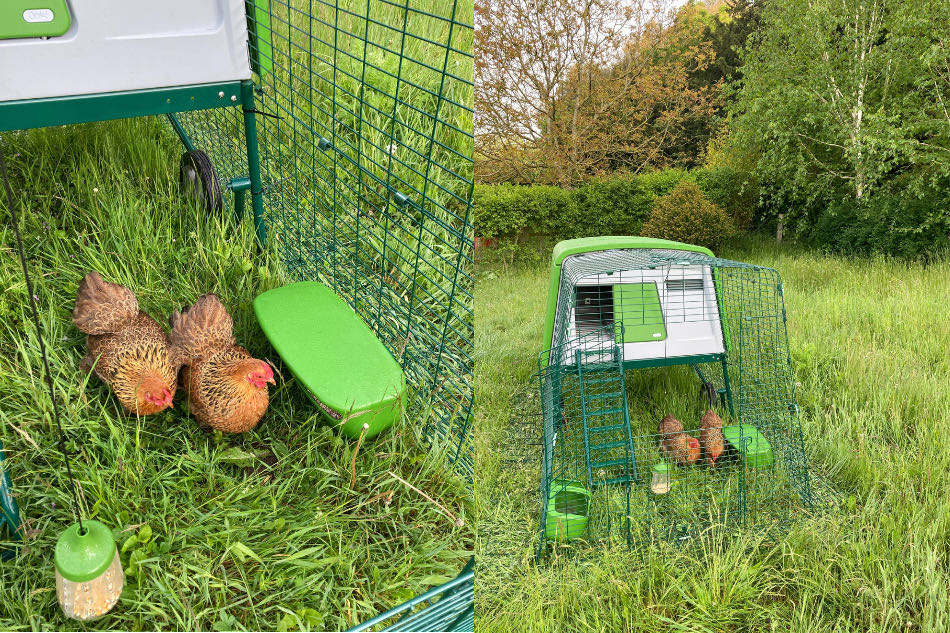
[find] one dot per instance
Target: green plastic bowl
(568, 506)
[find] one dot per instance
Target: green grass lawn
(870, 345)
(277, 528)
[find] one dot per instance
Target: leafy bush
(686, 215)
(608, 206)
(902, 223)
(507, 210)
(736, 191)
(660, 183)
(615, 205)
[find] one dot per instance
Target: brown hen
(129, 350)
(226, 387)
(710, 437)
(675, 442)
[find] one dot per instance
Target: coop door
(637, 308)
(594, 310)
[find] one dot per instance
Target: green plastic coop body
(346, 126)
(621, 305)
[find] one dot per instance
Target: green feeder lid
(749, 441)
(333, 355)
(661, 467)
(82, 557)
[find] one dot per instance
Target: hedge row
(618, 205)
(904, 223)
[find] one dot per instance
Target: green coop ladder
(608, 440)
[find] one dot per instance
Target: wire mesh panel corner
(730, 456)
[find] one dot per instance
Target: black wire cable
(39, 337)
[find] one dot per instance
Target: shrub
(661, 183)
(686, 215)
(899, 222)
(736, 191)
(614, 205)
(618, 205)
(509, 210)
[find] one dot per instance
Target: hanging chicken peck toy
(89, 574)
(89, 577)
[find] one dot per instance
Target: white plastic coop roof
(129, 45)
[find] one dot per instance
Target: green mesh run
(365, 141)
(627, 320)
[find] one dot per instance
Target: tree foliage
(568, 89)
(840, 97)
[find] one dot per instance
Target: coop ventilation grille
(684, 285)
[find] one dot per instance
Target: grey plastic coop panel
(121, 46)
(655, 304)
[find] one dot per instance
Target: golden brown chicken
(676, 443)
(710, 437)
(129, 349)
(226, 387)
(692, 450)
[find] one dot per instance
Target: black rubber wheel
(199, 182)
(708, 392)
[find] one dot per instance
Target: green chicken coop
(622, 306)
(347, 126)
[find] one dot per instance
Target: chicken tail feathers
(103, 307)
(201, 328)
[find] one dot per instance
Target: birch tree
(842, 95)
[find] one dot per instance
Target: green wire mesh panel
(608, 472)
(365, 141)
(449, 607)
(365, 138)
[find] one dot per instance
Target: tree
(566, 89)
(837, 97)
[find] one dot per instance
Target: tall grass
(258, 531)
(870, 343)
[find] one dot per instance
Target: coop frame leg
(725, 379)
(180, 130)
(253, 159)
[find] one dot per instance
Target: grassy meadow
(870, 345)
(280, 528)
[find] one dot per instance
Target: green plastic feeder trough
(347, 372)
(746, 440)
(568, 506)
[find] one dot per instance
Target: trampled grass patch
(259, 531)
(870, 345)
